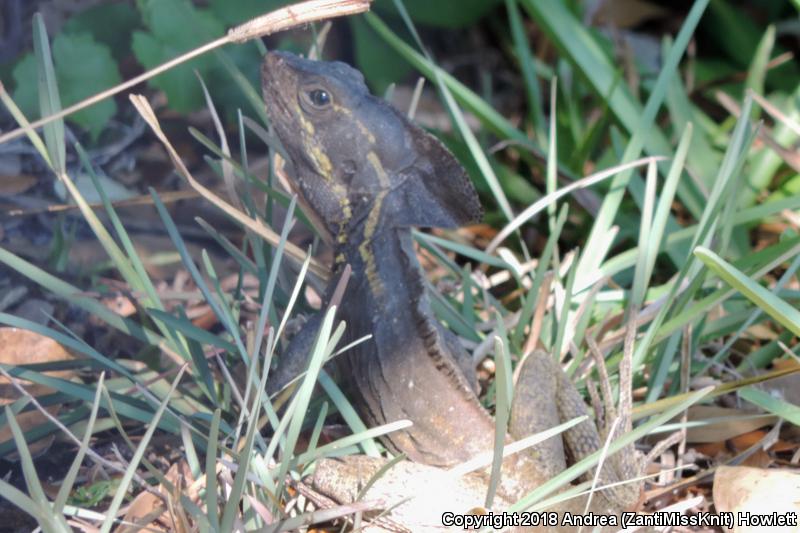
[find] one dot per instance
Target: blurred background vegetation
(98, 43)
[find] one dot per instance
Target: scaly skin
(369, 175)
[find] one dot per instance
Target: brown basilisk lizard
(369, 175)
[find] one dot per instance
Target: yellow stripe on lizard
(365, 248)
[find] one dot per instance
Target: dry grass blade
(538, 316)
(295, 15)
(658, 406)
(144, 199)
(483, 460)
(774, 112)
(296, 253)
(791, 157)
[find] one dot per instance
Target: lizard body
(369, 175)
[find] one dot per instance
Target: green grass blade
(42, 515)
(49, 100)
(782, 408)
(185, 326)
(646, 259)
(67, 341)
(503, 412)
(768, 259)
(639, 124)
(219, 310)
(348, 413)
(754, 315)
(318, 355)
(533, 295)
(526, 66)
(72, 474)
(122, 488)
(493, 120)
(132, 269)
(359, 438)
(23, 123)
(757, 72)
(212, 498)
(231, 509)
(26, 461)
(461, 125)
(273, 277)
(661, 216)
(778, 309)
(734, 158)
(563, 318)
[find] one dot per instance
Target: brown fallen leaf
(758, 459)
(628, 13)
(20, 347)
(786, 387)
(712, 449)
(151, 513)
(16, 184)
(727, 423)
(157, 252)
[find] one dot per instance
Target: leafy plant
(166, 38)
(83, 67)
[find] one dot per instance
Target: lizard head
(352, 151)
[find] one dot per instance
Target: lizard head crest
(350, 149)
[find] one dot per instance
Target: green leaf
(726, 21)
(49, 97)
(109, 24)
(25, 92)
(167, 38)
(83, 67)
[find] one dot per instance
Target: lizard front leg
(294, 359)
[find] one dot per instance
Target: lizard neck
(408, 369)
(386, 275)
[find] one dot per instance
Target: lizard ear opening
(436, 191)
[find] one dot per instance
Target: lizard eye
(315, 98)
(319, 97)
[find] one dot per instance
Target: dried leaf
(18, 347)
(728, 423)
(16, 184)
(150, 512)
(742, 489)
